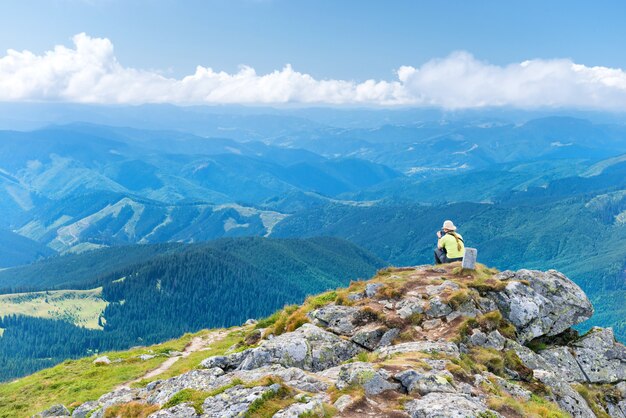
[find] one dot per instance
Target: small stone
(235, 401)
(568, 399)
(427, 382)
(410, 306)
(312, 408)
(83, 410)
(388, 337)
(431, 324)
(302, 397)
(336, 318)
(354, 296)
(478, 338)
(437, 308)
(54, 411)
(372, 288)
(495, 340)
(118, 396)
(102, 360)
(449, 285)
(369, 336)
(453, 315)
(562, 360)
(251, 321)
(145, 357)
(343, 402)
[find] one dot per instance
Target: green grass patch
(78, 380)
(270, 403)
(488, 322)
(193, 397)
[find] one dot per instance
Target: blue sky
(345, 40)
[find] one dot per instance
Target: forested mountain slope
(195, 286)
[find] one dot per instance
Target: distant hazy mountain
(83, 186)
(16, 249)
(541, 189)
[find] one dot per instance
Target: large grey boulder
(447, 405)
(548, 305)
(338, 319)
(593, 358)
(372, 288)
(601, 358)
(564, 363)
(291, 376)
(565, 396)
(307, 348)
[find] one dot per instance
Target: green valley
(82, 308)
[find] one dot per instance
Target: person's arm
(439, 240)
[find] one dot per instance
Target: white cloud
(90, 73)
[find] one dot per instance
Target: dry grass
(597, 397)
(131, 410)
(536, 407)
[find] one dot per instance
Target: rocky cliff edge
(412, 342)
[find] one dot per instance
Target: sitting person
(450, 245)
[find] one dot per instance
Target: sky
(450, 54)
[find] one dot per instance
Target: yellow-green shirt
(450, 244)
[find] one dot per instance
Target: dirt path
(196, 344)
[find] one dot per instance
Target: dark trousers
(442, 258)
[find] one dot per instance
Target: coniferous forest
(214, 284)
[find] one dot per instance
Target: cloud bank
(89, 72)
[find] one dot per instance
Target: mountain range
(83, 189)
